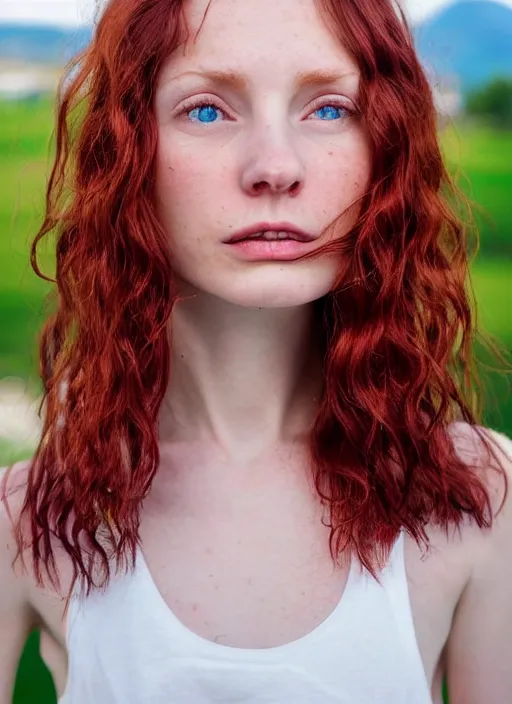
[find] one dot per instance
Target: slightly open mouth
(270, 236)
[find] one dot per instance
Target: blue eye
(203, 113)
(330, 112)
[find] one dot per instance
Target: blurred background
(466, 48)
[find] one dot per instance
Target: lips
(286, 230)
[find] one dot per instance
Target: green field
(482, 157)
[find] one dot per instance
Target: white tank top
(127, 647)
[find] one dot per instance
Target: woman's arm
(16, 615)
(479, 649)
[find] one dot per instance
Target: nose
(273, 167)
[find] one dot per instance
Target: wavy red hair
(398, 365)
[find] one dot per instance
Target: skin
(245, 376)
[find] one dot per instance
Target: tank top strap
(78, 600)
(394, 578)
(396, 585)
(72, 610)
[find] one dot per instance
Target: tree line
(492, 102)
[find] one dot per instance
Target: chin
(281, 291)
(274, 299)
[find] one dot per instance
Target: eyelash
(207, 102)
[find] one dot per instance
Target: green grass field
(481, 155)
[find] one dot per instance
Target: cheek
(177, 183)
(185, 190)
(349, 166)
(342, 177)
(186, 180)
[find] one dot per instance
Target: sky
(72, 12)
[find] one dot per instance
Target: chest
(248, 565)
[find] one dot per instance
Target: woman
(257, 377)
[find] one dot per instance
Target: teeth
(272, 235)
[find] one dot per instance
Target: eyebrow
(304, 79)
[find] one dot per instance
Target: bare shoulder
(13, 487)
(13, 482)
(17, 617)
(479, 649)
(470, 443)
(489, 453)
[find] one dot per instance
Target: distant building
(448, 96)
(19, 81)
(20, 424)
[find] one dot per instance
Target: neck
(242, 378)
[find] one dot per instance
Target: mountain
(41, 44)
(471, 39)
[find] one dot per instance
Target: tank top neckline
(168, 618)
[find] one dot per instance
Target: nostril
(286, 188)
(261, 185)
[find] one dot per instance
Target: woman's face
(255, 126)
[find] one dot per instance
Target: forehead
(267, 35)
